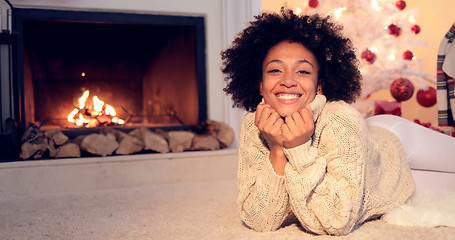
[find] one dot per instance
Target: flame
(99, 114)
(72, 114)
(83, 99)
(109, 110)
(97, 104)
(80, 120)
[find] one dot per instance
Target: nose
(288, 80)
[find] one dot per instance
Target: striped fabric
(445, 81)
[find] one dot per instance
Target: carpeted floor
(190, 210)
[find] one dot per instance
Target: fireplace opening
(144, 70)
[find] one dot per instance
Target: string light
(375, 5)
(339, 11)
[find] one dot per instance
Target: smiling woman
(303, 150)
(289, 77)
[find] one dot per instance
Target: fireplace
(149, 68)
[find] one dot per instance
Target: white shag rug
(425, 209)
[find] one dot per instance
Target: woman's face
(289, 77)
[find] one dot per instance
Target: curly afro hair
(338, 74)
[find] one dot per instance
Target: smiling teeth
(287, 96)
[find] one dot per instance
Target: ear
(319, 91)
(319, 88)
(260, 88)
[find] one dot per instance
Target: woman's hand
(298, 128)
(269, 122)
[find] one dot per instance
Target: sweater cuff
(273, 181)
(302, 156)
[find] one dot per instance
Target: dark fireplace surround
(150, 68)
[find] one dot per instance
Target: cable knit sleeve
(324, 177)
(263, 201)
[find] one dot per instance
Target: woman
(303, 150)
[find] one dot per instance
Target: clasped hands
(290, 132)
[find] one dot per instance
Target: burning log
(99, 114)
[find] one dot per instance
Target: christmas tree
(384, 33)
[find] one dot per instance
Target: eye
(274, 71)
(303, 72)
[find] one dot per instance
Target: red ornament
(313, 3)
(368, 56)
(400, 4)
(408, 55)
(386, 107)
(402, 89)
(394, 30)
(426, 98)
(415, 29)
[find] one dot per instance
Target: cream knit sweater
(346, 174)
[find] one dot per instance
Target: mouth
(288, 96)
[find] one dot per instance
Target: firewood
(139, 133)
(205, 142)
(29, 150)
(152, 141)
(162, 133)
(225, 135)
(129, 145)
(208, 127)
(68, 150)
(156, 142)
(51, 147)
(57, 136)
(99, 144)
(119, 135)
(32, 134)
(180, 141)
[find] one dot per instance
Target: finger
(285, 131)
(291, 125)
(262, 119)
(276, 127)
(259, 110)
(272, 121)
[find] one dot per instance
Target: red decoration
(402, 89)
(313, 3)
(394, 30)
(415, 29)
(368, 56)
(426, 98)
(400, 4)
(428, 125)
(408, 55)
(386, 107)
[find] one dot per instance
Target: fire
(99, 114)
